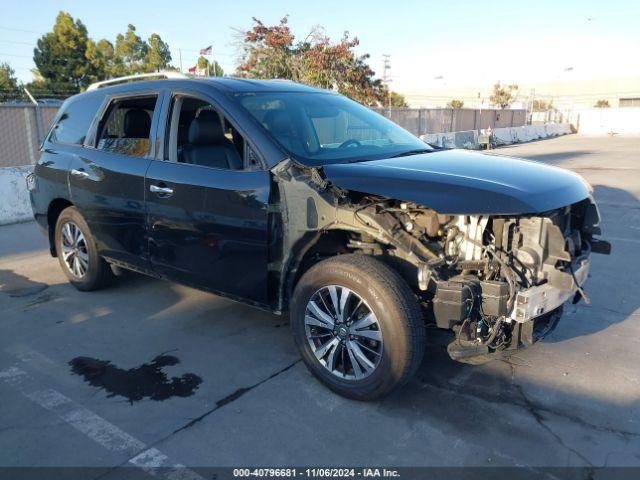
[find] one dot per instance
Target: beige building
(565, 94)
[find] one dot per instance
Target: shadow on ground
(16, 285)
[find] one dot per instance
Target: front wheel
(358, 326)
(77, 252)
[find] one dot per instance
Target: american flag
(206, 51)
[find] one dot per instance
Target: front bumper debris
(536, 301)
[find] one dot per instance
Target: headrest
(206, 129)
(137, 123)
(278, 122)
(183, 132)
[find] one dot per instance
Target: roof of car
(246, 85)
(224, 84)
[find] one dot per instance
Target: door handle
(79, 173)
(161, 191)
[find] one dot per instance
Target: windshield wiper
(413, 152)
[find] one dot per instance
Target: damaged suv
(298, 200)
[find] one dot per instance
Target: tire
(399, 322)
(97, 272)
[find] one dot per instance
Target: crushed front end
(498, 282)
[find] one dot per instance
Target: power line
(19, 30)
(537, 94)
(14, 55)
(16, 43)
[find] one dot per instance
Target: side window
(200, 135)
(72, 126)
(126, 126)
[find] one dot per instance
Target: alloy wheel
(343, 332)
(74, 250)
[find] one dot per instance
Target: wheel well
(331, 243)
(55, 208)
(327, 244)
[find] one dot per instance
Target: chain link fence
(23, 126)
(421, 121)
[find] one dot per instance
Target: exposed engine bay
(496, 281)
(488, 277)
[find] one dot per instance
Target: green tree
(270, 52)
(541, 106)
(503, 96)
(455, 103)
(398, 100)
(38, 86)
(394, 99)
(602, 104)
(131, 50)
(214, 69)
(60, 56)
(158, 55)
(103, 59)
(9, 88)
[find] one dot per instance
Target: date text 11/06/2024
(316, 472)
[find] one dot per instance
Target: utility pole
(180, 55)
(386, 78)
(533, 100)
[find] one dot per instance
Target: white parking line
(95, 427)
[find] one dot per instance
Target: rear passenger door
(107, 180)
(207, 199)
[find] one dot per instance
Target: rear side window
(126, 126)
(72, 126)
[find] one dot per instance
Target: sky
(441, 44)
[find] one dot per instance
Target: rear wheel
(77, 252)
(358, 326)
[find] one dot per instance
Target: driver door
(207, 223)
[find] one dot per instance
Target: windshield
(323, 128)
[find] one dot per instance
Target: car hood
(462, 182)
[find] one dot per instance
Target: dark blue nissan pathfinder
(297, 200)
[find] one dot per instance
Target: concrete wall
(14, 198)
(609, 120)
(500, 136)
(22, 128)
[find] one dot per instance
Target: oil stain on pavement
(146, 381)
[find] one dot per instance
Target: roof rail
(141, 76)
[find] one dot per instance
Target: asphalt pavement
(198, 380)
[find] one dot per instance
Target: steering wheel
(352, 142)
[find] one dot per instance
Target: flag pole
(213, 61)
